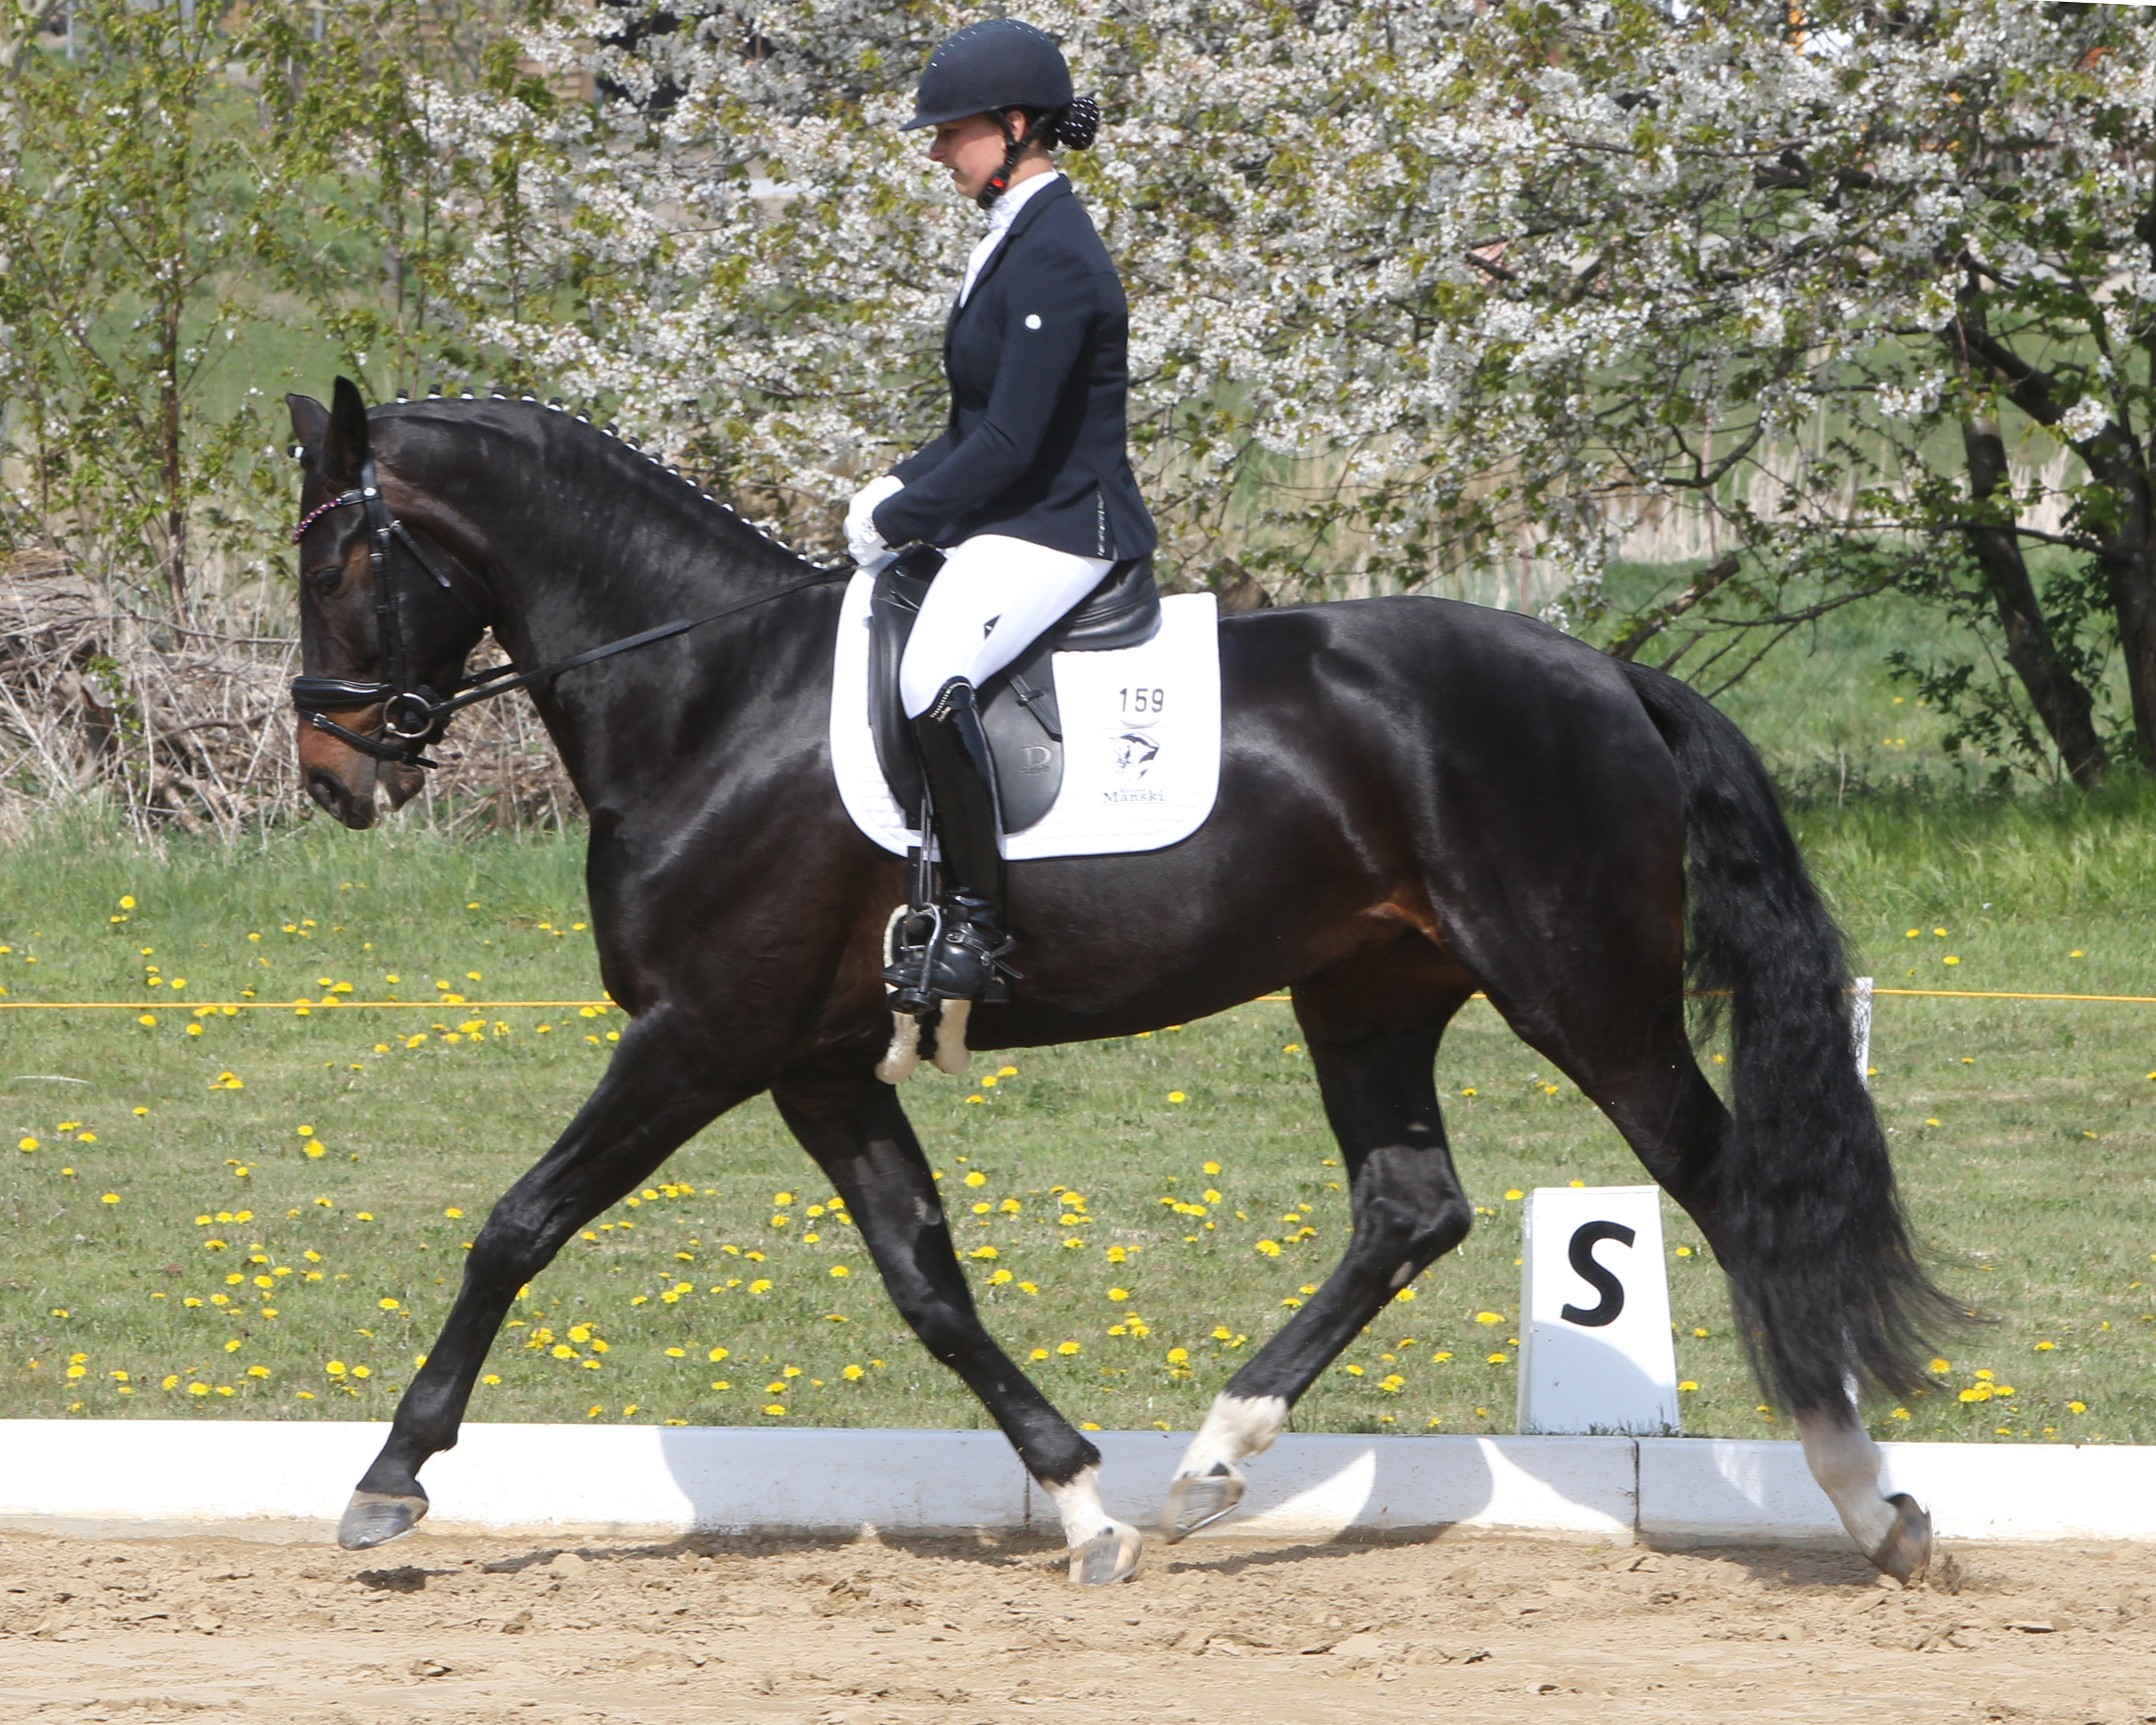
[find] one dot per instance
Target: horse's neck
(574, 577)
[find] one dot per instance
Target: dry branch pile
(191, 728)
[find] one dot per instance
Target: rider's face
(973, 149)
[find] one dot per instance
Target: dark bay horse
(1418, 798)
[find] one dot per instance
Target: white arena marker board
(1860, 1016)
(1595, 1354)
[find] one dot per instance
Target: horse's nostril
(325, 789)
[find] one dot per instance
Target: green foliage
(139, 217)
(195, 198)
(1416, 297)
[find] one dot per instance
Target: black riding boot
(962, 958)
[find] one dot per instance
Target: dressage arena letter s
(1584, 1239)
(1595, 1349)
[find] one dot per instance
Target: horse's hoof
(1196, 1500)
(1110, 1555)
(1905, 1552)
(374, 1519)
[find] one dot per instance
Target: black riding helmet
(992, 67)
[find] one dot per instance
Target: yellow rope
(170, 1005)
(278, 1005)
(1942, 994)
(1981, 994)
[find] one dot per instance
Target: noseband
(414, 717)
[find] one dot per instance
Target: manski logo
(1134, 753)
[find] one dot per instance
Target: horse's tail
(1827, 1284)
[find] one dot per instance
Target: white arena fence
(271, 1481)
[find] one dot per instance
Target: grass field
(262, 1214)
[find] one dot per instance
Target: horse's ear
(310, 420)
(341, 455)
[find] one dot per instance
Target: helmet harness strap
(1014, 147)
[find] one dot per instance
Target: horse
(1419, 799)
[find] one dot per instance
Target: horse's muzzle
(338, 778)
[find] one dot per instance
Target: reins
(412, 717)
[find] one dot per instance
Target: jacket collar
(1023, 220)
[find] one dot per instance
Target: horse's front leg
(658, 1091)
(851, 1122)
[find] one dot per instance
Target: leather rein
(414, 717)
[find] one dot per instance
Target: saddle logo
(1034, 757)
(1134, 752)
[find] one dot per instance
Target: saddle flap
(894, 604)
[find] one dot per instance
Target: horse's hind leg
(1372, 1025)
(1638, 1067)
(1893, 1531)
(657, 1092)
(851, 1122)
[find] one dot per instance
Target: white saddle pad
(1141, 738)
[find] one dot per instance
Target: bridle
(413, 716)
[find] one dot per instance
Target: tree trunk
(2115, 459)
(2066, 709)
(173, 472)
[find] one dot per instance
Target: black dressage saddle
(1018, 704)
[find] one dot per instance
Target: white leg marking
(1102, 1549)
(1845, 1462)
(1238, 1427)
(951, 1054)
(1078, 1502)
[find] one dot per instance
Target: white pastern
(1102, 1549)
(1078, 1502)
(1846, 1463)
(1237, 1428)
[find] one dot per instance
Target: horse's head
(373, 615)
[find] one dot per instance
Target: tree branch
(1642, 630)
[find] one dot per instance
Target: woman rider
(1030, 489)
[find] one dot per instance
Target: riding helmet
(988, 67)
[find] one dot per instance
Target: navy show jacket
(1038, 364)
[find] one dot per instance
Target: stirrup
(938, 954)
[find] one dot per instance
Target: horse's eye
(325, 576)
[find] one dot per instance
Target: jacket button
(1032, 319)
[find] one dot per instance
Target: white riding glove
(869, 549)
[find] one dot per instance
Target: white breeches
(992, 599)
